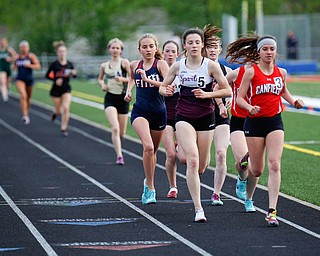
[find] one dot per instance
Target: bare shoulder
(283, 71)
(125, 62)
(134, 64)
(175, 67)
(33, 56)
(232, 75)
(103, 65)
(249, 72)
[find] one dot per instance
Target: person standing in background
(113, 79)
(292, 46)
(7, 55)
(148, 115)
(26, 62)
(60, 72)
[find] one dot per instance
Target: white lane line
(110, 192)
(203, 185)
(306, 142)
(89, 136)
(45, 245)
(99, 126)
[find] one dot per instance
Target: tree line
(43, 21)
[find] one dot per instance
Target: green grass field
(300, 165)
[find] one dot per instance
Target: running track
(65, 196)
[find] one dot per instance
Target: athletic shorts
(236, 124)
(262, 126)
(58, 91)
(28, 82)
(7, 70)
(204, 123)
(219, 120)
(157, 120)
(117, 101)
(171, 123)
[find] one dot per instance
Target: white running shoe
(25, 120)
(200, 217)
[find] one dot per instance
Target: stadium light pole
(259, 17)
(244, 17)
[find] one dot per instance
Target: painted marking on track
(302, 142)
(45, 245)
(118, 246)
(69, 202)
(85, 134)
(302, 150)
(90, 222)
(105, 189)
(86, 99)
(11, 249)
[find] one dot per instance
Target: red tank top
(265, 91)
(235, 109)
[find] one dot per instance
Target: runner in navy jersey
(26, 62)
(148, 116)
(260, 93)
(60, 72)
(170, 52)
(7, 55)
(113, 79)
(221, 138)
(195, 109)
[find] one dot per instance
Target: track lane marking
(42, 241)
(102, 187)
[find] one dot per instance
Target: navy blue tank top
(147, 95)
(23, 72)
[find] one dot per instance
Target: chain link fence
(305, 27)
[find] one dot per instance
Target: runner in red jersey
(237, 137)
(263, 85)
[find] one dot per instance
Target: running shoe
(241, 188)
(243, 163)
(271, 218)
(248, 204)
(200, 217)
(173, 193)
(215, 200)
(25, 120)
(64, 133)
(53, 116)
(145, 186)
(120, 161)
(149, 197)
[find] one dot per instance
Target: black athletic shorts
(236, 124)
(262, 126)
(204, 123)
(117, 101)
(157, 119)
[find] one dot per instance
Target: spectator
(292, 46)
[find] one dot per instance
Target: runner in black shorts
(221, 138)
(195, 109)
(60, 72)
(148, 116)
(7, 55)
(113, 79)
(26, 62)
